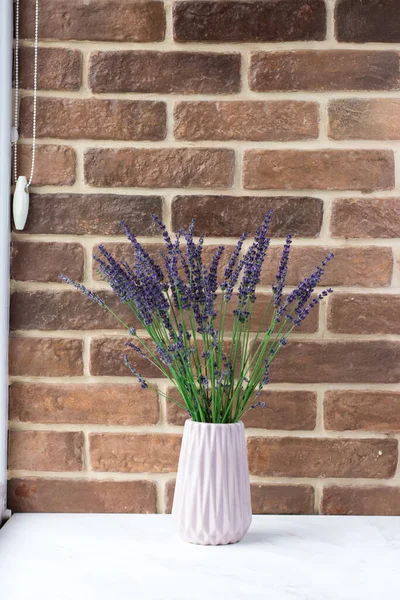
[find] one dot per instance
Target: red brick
(268, 499)
(104, 404)
(357, 119)
(95, 119)
(369, 266)
(58, 68)
(366, 218)
(282, 499)
(309, 325)
(51, 310)
(328, 169)
(287, 410)
(367, 21)
(107, 358)
(300, 216)
(318, 457)
(54, 165)
(135, 453)
(169, 495)
(364, 313)
(361, 500)
(257, 121)
(78, 496)
(43, 261)
(324, 70)
(164, 72)
(337, 361)
(46, 357)
(160, 167)
(103, 20)
(45, 450)
(92, 214)
(232, 21)
(364, 410)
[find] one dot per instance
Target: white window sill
(126, 557)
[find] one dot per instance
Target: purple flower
(282, 272)
(132, 369)
(91, 295)
(231, 275)
(261, 404)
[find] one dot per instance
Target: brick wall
(218, 110)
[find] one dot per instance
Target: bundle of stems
(184, 305)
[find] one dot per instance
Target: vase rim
(191, 422)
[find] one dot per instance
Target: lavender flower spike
(91, 295)
(141, 380)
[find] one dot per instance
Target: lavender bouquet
(183, 309)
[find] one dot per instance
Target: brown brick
(318, 457)
(364, 313)
(357, 119)
(318, 169)
(160, 167)
(337, 362)
(103, 20)
(260, 21)
(92, 214)
(58, 68)
(169, 495)
(104, 404)
(324, 70)
(77, 496)
(268, 499)
(287, 410)
(309, 325)
(95, 119)
(54, 165)
(46, 357)
(135, 453)
(257, 121)
(107, 358)
(282, 499)
(369, 266)
(366, 218)
(45, 450)
(368, 410)
(43, 261)
(50, 310)
(363, 500)
(367, 21)
(231, 215)
(164, 72)
(175, 414)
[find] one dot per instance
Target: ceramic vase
(212, 502)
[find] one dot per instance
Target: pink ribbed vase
(212, 503)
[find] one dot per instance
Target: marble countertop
(139, 557)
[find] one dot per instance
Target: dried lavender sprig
(91, 295)
(177, 309)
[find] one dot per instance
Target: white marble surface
(138, 557)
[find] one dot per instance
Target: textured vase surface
(212, 502)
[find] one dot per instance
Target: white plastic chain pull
(21, 193)
(21, 203)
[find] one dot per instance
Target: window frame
(6, 42)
